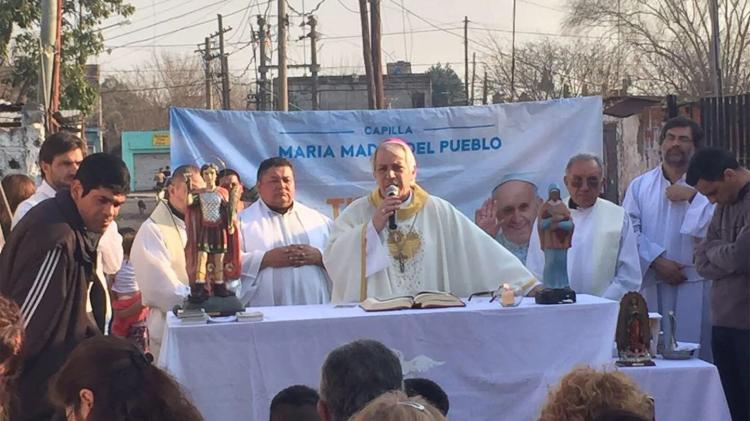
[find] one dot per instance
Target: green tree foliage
(447, 88)
(19, 46)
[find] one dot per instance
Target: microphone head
(391, 190)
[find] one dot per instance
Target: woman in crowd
(109, 379)
(396, 406)
(17, 187)
(585, 393)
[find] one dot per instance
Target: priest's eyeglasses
(494, 294)
(591, 182)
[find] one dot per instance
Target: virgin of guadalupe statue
(633, 335)
(555, 235)
(213, 247)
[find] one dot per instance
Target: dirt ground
(130, 214)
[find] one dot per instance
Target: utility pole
(484, 87)
(262, 82)
(473, 75)
(377, 55)
(513, 57)
(466, 59)
(283, 93)
(55, 99)
(367, 53)
(716, 63)
(314, 60)
(207, 57)
(48, 32)
(225, 105)
(715, 48)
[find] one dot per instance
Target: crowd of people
(680, 238)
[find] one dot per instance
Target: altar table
(683, 390)
(490, 360)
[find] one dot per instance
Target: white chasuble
(434, 248)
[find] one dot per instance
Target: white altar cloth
(490, 360)
(683, 390)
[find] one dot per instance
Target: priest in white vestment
(158, 254)
(603, 258)
(670, 218)
(434, 246)
(282, 243)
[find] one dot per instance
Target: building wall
(350, 92)
(150, 149)
(19, 146)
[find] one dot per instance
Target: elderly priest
(431, 246)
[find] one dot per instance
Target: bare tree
(547, 69)
(669, 41)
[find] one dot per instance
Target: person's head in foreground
(109, 379)
(396, 406)
(354, 374)
(431, 391)
(295, 403)
(585, 393)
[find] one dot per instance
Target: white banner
(462, 152)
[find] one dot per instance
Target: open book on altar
(426, 299)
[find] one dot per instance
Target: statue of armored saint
(213, 248)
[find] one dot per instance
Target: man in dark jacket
(724, 257)
(47, 265)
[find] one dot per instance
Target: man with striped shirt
(46, 266)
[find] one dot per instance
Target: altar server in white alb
(158, 253)
(670, 217)
(432, 247)
(603, 258)
(282, 243)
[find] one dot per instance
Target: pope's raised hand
(486, 218)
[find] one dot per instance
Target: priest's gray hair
(584, 157)
(411, 162)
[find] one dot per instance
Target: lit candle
(507, 298)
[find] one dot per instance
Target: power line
(169, 19)
(151, 88)
(190, 26)
(347, 7)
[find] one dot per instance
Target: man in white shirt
(603, 258)
(158, 253)
(282, 243)
(59, 158)
(670, 217)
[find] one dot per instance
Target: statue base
(556, 296)
(635, 362)
(216, 306)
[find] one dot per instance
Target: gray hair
(356, 373)
(584, 157)
(411, 161)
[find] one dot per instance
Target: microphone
(392, 191)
